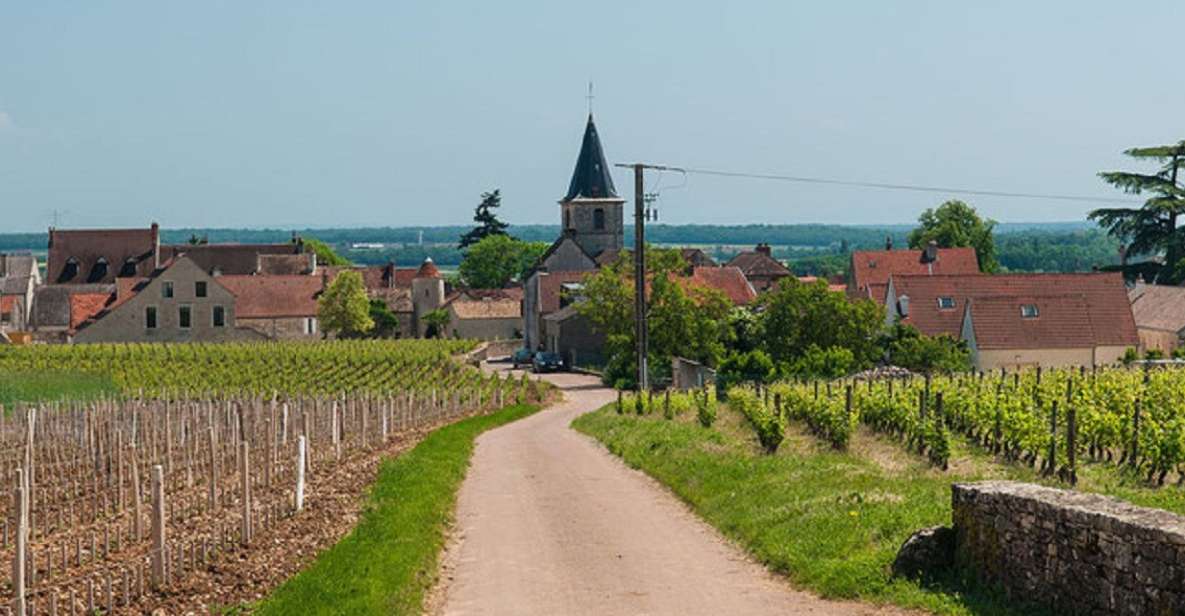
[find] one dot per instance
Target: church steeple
(591, 178)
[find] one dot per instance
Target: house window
(599, 219)
(199, 288)
(946, 303)
(219, 316)
(310, 326)
(184, 315)
(150, 317)
(567, 219)
(98, 272)
(1028, 311)
(166, 289)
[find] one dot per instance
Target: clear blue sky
(401, 113)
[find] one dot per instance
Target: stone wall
(1071, 552)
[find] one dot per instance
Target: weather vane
(590, 97)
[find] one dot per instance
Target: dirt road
(549, 523)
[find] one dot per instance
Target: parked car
(547, 362)
(522, 357)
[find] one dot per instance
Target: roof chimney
(763, 248)
(888, 242)
(155, 246)
(930, 252)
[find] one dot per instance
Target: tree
(909, 349)
(487, 219)
(798, 315)
(818, 363)
(751, 367)
(344, 308)
(687, 321)
(325, 254)
(955, 224)
(437, 322)
(386, 323)
(1151, 229)
(496, 260)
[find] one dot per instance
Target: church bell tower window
(599, 219)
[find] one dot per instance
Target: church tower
(591, 211)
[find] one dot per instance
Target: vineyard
(211, 456)
(1045, 419)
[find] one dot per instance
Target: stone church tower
(592, 211)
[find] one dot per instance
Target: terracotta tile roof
(7, 304)
(831, 286)
(485, 307)
(84, 306)
(1158, 307)
(1062, 322)
(272, 297)
(550, 285)
(728, 280)
(428, 270)
(874, 267)
(757, 264)
(286, 265)
(52, 304)
(90, 247)
(1103, 295)
(228, 259)
(377, 276)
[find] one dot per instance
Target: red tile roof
(550, 285)
(86, 247)
(84, 306)
(1103, 295)
(7, 303)
(428, 270)
(272, 297)
(874, 267)
(1062, 322)
(758, 264)
(1158, 307)
(376, 276)
(728, 280)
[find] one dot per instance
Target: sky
(300, 114)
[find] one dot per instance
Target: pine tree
(1153, 228)
(487, 219)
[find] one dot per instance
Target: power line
(909, 187)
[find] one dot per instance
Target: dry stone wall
(1072, 552)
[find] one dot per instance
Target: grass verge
(51, 386)
(386, 564)
(830, 521)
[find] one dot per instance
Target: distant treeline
(811, 249)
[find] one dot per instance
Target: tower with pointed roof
(592, 212)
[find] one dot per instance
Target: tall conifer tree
(486, 219)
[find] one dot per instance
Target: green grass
(385, 565)
(50, 386)
(830, 521)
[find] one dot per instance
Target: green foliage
(749, 367)
(386, 323)
(343, 307)
(486, 219)
(1154, 354)
(496, 260)
(325, 254)
(690, 322)
(388, 562)
(767, 422)
(52, 386)
(956, 224)
(818, 363)
(705, 408)
(798, 316)
(437, 322)
(1153, 228)
(909, 349)
(1047, 251)
(1130, 355)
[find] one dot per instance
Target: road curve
(549, 523)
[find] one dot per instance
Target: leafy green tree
(1152, 229)
(496, 260)
(486, 219)
(690, 322)
(908, 348)
(749, 367)
(325, 254)
(797, 315)
(955, 224)
(437, 322)
(344, 308)
(386, 323)
(819, 363)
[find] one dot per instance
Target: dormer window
(946, 303)
(69, 271)
(98, 272)
(1029, 311)
(129, 268)
(903, 306)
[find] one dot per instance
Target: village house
(1016, 320)
(486, 314)
(1159, 311)
(760, 267)
(58, 310)
(870, 269)
(19, 278)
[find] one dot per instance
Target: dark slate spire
(591, 179)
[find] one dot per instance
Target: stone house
(19, 278)
(99, 256)
(277, 307)
(1015, 320)
(486, 314)
(398, 288)
(760, 267)
(1159, 312)
(870, 270)
(59, 309)
(178, 302)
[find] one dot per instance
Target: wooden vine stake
(245, 475)
(158, 527)
(20, 512)
(300, 463)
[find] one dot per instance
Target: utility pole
(641, 331)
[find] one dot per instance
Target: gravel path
(549, 522)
